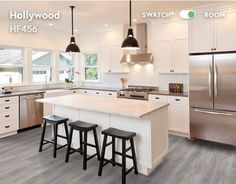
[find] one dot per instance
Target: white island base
(151, 141)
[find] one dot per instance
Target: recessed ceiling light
(106, 25)
(50, 24)
(134, 20)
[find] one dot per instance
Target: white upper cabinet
(210, 35)
(172, 56)
(171, 47)
(201, 35)
(225, 32)
(109, 59)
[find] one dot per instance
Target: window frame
(51, 52)
(15, 65)
(98, 80)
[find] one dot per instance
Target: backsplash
(142, 75)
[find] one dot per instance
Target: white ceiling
(94, 14)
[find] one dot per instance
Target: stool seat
(83, 126)
(119, 133)
(55, 119)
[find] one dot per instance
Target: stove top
(136, 92)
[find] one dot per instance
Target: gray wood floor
(188, 162)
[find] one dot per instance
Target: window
(91, 67)
(11, 65)
(41, 61)
(66, 67)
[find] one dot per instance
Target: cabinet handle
(85, 91)
(157, 98)
(7, 100)
(109, 70)
(177, 99)
(171, 70)
(7, 107)
(214, 48)
(7, 126)
(109, 94)
(7, 116)
(97, 93)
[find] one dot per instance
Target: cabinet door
(179, 118)
(164, 57)
(201, 35)
(180, 55)
(104, 59)
(225, 30)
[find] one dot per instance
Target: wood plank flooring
(188, 162)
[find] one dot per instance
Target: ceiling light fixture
(130, 43)
(72, 47)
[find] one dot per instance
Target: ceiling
(94, 14)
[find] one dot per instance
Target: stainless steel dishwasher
(31, 112)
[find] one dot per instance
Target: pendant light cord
(130, 13)
(72, 20)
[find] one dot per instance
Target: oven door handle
(213, 112)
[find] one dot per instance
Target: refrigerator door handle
(216, 81)
(213, 112)
(210, 81)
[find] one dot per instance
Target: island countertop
(119, 106)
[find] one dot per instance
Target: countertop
(97, 88)
(119, 106)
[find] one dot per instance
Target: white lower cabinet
(112, 94)
(9, 115)
(178, 112)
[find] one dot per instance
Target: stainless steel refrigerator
(212, 79)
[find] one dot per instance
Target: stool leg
(66, 131)
(42, 136)
(96, 143)
(113, 150)
(55, 127)
(134, 156)
(85, 151)
(123, 161)
(69, 145)
(102, 155)
(80, 142)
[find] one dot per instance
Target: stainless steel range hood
(142, 56)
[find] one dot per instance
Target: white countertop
(119, 106)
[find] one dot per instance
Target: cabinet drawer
(9, 107)
(9, 100)
(9, 126)
(178, 100)
(8, 116)
(158, 98)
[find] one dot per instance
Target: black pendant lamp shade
(72, 47)
(130, 43)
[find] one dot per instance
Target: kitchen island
(148, 119)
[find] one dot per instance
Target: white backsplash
(142, 75)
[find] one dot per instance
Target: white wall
(138, 75)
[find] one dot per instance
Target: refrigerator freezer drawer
(212, 125)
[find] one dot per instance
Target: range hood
(141, 56)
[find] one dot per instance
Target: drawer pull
(97, 93)
(7, 107)
(85, 91)
(110, 94)
(7, 126)
(7, 116)
(7, 100)
(157, 98)
(177, 99)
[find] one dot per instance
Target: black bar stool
(54, 121)
(124, 136)
(83, 129)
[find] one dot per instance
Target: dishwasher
(31, 112)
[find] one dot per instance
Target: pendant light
(72, 47)
(130, 43)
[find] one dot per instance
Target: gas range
(136, 92)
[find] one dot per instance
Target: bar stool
(83, 128)
(124, 136)
(54, 121)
